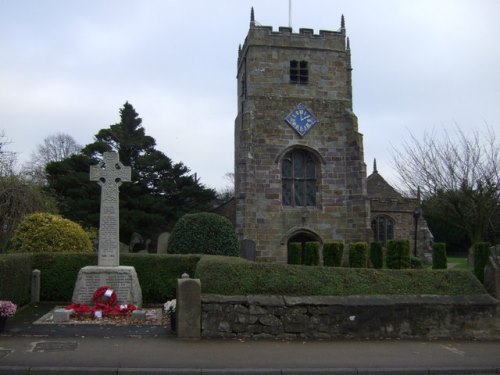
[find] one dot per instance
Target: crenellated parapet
(305, 38)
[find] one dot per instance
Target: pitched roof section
(379, 188)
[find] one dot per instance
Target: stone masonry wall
(262, 138)
(289, 318)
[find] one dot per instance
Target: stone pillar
(188, 309)
(35, 287)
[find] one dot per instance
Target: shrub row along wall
(282, 317)
(157, 274)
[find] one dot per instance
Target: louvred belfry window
(299, 178)
(299, 72)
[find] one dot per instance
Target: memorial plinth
(123, 280)
(109, 173)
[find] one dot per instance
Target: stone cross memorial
(110, 173)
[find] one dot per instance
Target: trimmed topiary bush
(311, 253)
(376, 255)
(333, 253)
(294, 253)
(398, 254)
(203, 233)
(358, 255)
(481, 252)
(439, 260)
(44, 232)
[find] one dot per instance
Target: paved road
(164, 354)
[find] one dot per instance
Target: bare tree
(8, 159)
(57, 147)
(54, 148)
(458, 174)
(227, 192)
(18, 196)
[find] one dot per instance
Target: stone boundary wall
(360, 317)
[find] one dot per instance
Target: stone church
(300, 173)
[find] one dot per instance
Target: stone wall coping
(222, 299)
(274, 300)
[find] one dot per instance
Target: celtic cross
(109, 173)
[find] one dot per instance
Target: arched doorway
(301, 238)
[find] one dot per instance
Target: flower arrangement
(105, 303)
(7, 309)
(169, 306)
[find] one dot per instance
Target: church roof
(379, 188)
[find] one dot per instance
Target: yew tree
(161, 191)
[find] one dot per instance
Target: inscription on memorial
(119, 282)
(109, 173)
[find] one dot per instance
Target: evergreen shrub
(157, 274)
(15, 278)
(481, 253)
(294, 253)
(45, 232)
(439, 260)
(311, 253)
(398, 254)
(377, 255)
(58, 273)
(237, 276)
(358, 255)
(333, 253)
(203, 233)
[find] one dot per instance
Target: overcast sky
(69, 66)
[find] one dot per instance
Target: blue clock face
(301, 119)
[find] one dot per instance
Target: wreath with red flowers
(105, 301)
(104, 298)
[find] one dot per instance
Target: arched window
(383, 229)
(298, 177)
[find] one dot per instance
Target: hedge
(398, 254)
(439, 260)
(481, 253)
(358, 255)
(240, 277)
(15, 278)
(333, 253)
(157, 274)
(311, 253)
(294, 253)
(377, 255)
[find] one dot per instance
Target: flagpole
(289, 13)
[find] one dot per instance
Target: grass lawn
(461, 263)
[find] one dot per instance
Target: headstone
(109, 173)
(124, 248)
(136, 242)
(247, 249)
(162, 243)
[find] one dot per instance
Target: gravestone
(110, 173)
(247, 249)
(162, 243)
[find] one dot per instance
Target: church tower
(299, 169)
